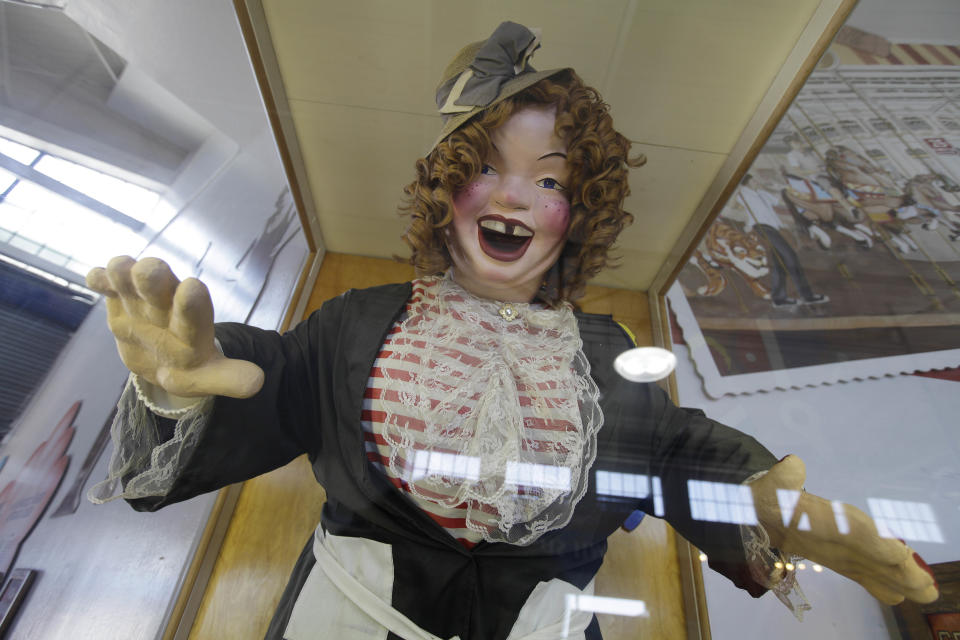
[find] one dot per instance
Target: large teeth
(506, 228)
(494, 225)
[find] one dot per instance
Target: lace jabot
(487, 381)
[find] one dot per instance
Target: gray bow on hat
(501, 57)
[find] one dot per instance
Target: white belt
(368, 602)
(401, 625)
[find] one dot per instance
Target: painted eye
(550, 183)
(487, 170)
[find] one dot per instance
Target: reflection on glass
(131, 199)
(840, 516)
(913, 521)
(622, 485)
(630, 485)
(528, 474)
(721, 502)
(20, 153)
(449, 465)
(61, 230)
(788, 503)
(598, 604)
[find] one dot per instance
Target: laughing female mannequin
(457, 422)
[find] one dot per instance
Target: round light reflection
(645, 364)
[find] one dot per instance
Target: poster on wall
(838, 255)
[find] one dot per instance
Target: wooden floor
(277, 513)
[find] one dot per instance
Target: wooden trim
(691, 571)
(198, 573)
(298, 311)
(304, 283)
(810, 47)
(256, 36)
(829, 324)
(694, 597)
(660, 326)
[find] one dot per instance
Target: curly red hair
(597, 156)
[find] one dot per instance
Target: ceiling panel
(684, 77)
(691, 79)
(358, 161)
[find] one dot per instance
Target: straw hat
(486, 72)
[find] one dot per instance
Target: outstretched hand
(839, 536)
(164, 330)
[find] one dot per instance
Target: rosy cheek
(471, 197)
(555, 216)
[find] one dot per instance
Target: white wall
(893, 438)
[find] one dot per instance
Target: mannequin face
(510, 224)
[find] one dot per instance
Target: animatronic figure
(459, 422)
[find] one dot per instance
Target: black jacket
(311, 401)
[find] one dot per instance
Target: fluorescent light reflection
(452, 465)
(908, 520)
(630, 485)
(449, 465)
(721, 502)
(42, 220)
(6, 179)
(20, 153)
(131, 199)
(840, 516)
(600, 604)
(529, 474)
(788, 499)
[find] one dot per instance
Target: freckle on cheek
(557, 214)
(465, 196)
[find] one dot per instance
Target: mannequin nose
(511, 195)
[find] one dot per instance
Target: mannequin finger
(882, 593)
(900, 584)
(222, 377)
(921, 585)
(118, 274)
(98, 281)
(191, 318)
(156, 284)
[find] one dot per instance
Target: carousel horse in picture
(929, 198)
(876, 195)
(818, 203)
(726, 248)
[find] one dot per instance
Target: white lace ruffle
(527, 354)
(770, 568)
(142, 465)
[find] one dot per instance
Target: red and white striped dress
(546, 427)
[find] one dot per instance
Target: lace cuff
(162, 402)
(145, 463)
(770, 568)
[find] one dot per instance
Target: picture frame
(939, 620)
(12, 595)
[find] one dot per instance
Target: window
(67, 214)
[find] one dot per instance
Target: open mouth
(502, 239)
